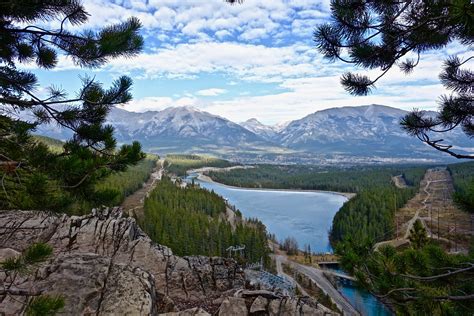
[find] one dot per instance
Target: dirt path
(434, 207)
(133, 204)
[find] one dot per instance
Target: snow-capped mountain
(372, 129)
(181, 128)
(265, 131)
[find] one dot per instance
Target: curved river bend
(306, 216)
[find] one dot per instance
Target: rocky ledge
(104, 264)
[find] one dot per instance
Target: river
(306, 216)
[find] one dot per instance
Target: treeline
(55, 145)
(370, 215)
(127, 182)
(463, 178)
(316, 178)
(191, 221)
(179, 164)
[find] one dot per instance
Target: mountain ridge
(370, 130)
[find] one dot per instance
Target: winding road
(317, 275)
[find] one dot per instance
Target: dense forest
(370, 215)
(463, 177)
(191, 221)
(179, 164)
(316, 178)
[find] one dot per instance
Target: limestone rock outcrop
(104, 264)
(107, 243)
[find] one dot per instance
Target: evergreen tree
(31, 175)
(380, 35)
(424, 281)
(418, 236)
(190, 221)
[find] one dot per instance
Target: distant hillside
(267, 132)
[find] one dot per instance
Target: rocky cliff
(104, 264)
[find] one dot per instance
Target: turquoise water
(363, 301)
(306, 216)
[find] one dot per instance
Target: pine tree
(418, 236)
(380, 34)
(31, 175)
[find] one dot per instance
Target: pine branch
(438, 276)
(444, 148)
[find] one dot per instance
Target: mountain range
(362, 131)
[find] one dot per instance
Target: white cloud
(158, 103)
(246, 61)
(211, 92)
(251, 20)
(201, 37)
(222, 33)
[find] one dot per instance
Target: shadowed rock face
(104, 264)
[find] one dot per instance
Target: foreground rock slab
(104, 264)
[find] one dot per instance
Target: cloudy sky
(251, 60)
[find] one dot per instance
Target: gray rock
(89, 283)
(233, 306)
(274, 307)
(180, 282)
(188, 312)
(7, 253)
(259, 305)
(104, 264)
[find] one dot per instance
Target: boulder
(233, 306)
(89, 283)
(259, 305)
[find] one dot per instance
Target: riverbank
(205, 178)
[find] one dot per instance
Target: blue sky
(251, 60)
